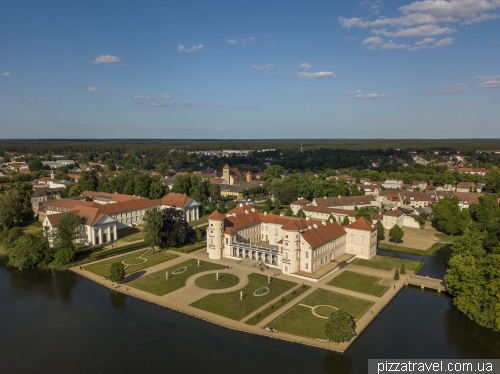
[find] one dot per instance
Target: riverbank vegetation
(473, 278)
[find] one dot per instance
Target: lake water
(59, 322)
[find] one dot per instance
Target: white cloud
(481, 18)
(304, 65)
(481, 77)
(253, 107)
(319, 74)
(222, 104)
(349, 38)
(490, 85)
(424, 42)
(142, 97)
(232, 41)
(6, 74)
(107, 59)
(264, 67)
(30, 100)
(444, 42)
(459, 87)
(426, 18)
(248, 40)
(160, 104)
(358, 94)
(416, 32)
(94, 88)
(181, 48)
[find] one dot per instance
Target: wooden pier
(426, 282)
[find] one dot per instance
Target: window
(286, 255)
(298, 255)
(286, 236)
(307, 266)
(352, 239)
(227, 240)
(307, 255)
(275, 232)
(362, 241)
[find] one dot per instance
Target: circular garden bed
(134, 261)
(323, 310)
(208, 281)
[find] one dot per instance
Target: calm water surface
(59, 322)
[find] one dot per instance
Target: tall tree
(157, 190)
(70, 228)
(153, 223)
(396, 233)
(339, 326)
(363, 212)
(380, 230)
(30, 251)
(35, 165)
(175, 230)
(117, 272)
(15, 205)
(449, 217)
(88, 181)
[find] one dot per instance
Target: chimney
(338, 196)
(241, 205)
(246, 211)
(331, 220)
(309, 227)
(307, 218)
(315, 225)
(281, 214)
(323, 222)
(324, 197)
(265, 213)
(253, 209)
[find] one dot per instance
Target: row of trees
(166, 228)
(473, 276)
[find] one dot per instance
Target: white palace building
(297, 246)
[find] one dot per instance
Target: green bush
(64, 256)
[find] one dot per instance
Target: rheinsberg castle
(297, 246)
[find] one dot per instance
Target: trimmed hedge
(412, 251)
(103, 254)
(189, 249)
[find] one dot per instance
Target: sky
(249, 69)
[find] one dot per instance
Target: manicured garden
(211, 282)
(157, 284)
(360, 283)
(387, 263)
(134, 260)
(419, 252)
(200, 221)
(229, 304)
(190, 247)
(274, 307)
(300, 320)
(131, 234)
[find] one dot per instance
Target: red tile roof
(216, 215)
(324, 233)
(362, 224)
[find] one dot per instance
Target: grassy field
(274, 307)
(397, 248)
(157, 284)
(300, 320)
(360, 283)
(229, 304)
(386, 263)
(447, 238)
(201, 221)
(131, 234)
(209, 281)
(103, 268)
(33, 227)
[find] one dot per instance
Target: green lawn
(210, 282)
(131, 234)
(157, 284)
(300, 320)
(33, 227)
(386, 263)
(274, 307)
(103, 268)
(360, 283)
(202, 220)
(447, 238)
(229, 304)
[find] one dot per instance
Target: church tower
(215, 235)
(226, 174)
